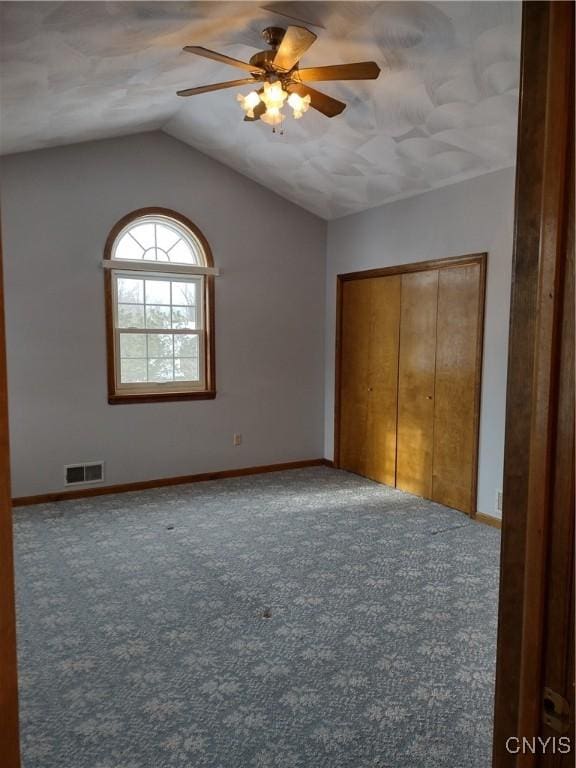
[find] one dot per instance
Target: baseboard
(495, 522)
(83, 493)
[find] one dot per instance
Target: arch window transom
(157, 238)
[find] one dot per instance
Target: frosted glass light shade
(272, 116)
(248, 102)
(299, 104)
(274, 95)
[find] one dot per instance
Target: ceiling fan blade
(362, 70)
(288, 10)
(259, 110)
(208, 54)
(294, 45)
(320, 101)
(216, 87)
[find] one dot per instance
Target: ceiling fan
(283, 80)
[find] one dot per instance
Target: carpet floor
(301, 619)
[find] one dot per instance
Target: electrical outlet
(498, 501)
(237, 439)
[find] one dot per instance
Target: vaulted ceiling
(444, 107)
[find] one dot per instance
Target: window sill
(161, 397)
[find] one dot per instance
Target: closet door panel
(354, 366)
(383, 379)
(419, 296)
(457, 375)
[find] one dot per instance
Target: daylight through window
(159, 284)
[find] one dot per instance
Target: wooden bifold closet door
(369, 380)
(457, 386)
(415, 440)
(409, 360)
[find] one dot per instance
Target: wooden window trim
(209, 361)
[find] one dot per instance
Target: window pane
(166, 237)
(130, 291)
(186, 368)
(151, 239)
(130, 316)
(183, 317)
(184, 293)
(155, 254)
(157, 292)
(157, 316)
(182, 253)
(132, 345)
(144, 234)
(160, 345)
(186, 345)
(128, 248)
(132, 371)
(160, 370)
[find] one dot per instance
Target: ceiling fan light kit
(273, 97)
(283, 82)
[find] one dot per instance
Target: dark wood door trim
(536, 367)
(9, 739)
(401, 269)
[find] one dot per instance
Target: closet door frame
(401, 269)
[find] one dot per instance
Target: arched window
(159, 282)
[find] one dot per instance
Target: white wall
(274, 335)
(469, 217)
(58, 206)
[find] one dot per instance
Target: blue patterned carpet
(304, 619)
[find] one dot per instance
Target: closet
(409, 351)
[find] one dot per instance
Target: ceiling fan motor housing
(264, 60)
(273, 36)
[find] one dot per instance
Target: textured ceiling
(444, 107)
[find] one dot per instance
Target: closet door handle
(428, 397)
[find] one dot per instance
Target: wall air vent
(91, 472)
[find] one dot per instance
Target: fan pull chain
(281, 131)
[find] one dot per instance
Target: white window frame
(157, 387)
